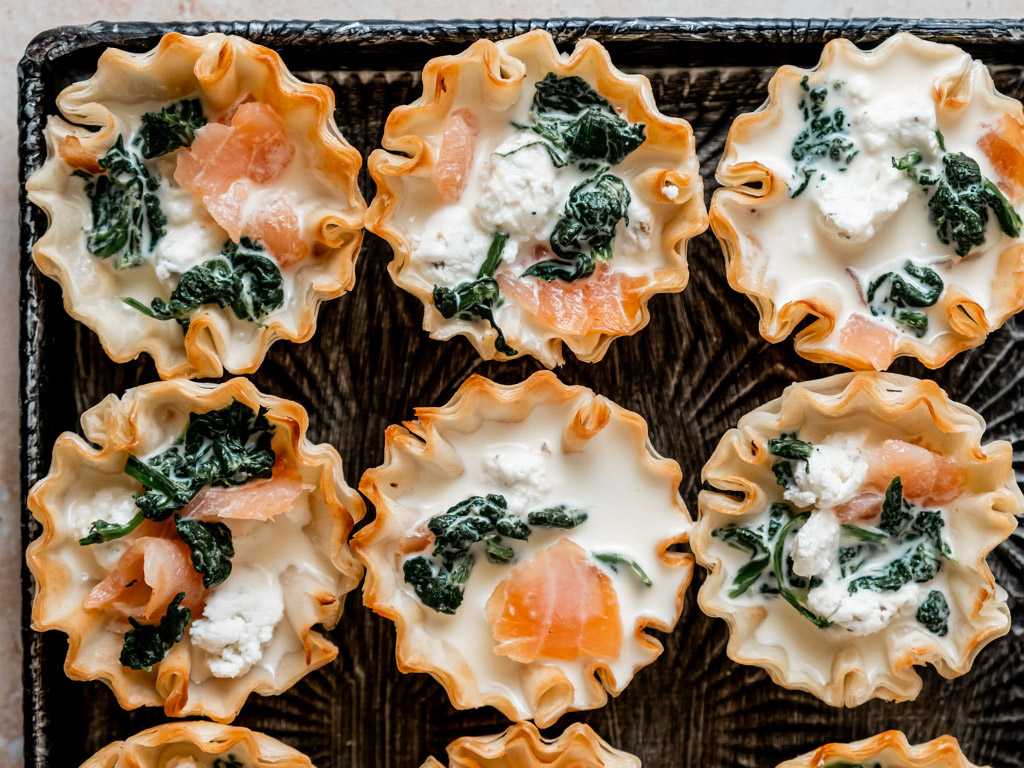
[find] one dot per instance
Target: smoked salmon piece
(557, 605)
(869, 341)
(928, 478)
(861, 508)
(255, 500)
(224, 169)
(455, 160)
(155, 567)
(604, 302)
(1004, 148)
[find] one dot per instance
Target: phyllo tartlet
(523, 544)
(886, 750)
(522, 746)
(878, 193)
(846, 533)
(198, 745)
(533, 198)
(201, 202)
(191, 545)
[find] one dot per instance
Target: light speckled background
(21, 21)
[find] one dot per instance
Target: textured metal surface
(692, 373)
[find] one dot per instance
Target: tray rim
(51, 45)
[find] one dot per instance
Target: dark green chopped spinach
(961, 199)
(933, 613)
(613, 561)
(585, 230)
(127, 221)
(559, 516)
(575, 124)
(824, 137)
(241, 277)
(226, 447)
(902, 296)
(212, 548)
(789, 449)
(170, 128)
(439, 580)
(230, 762)
(148, 644)
(477, 299)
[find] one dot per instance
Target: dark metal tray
(692, 373)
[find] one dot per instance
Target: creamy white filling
(831, 475)
(238, 621)
(192, 236)
(452, 247)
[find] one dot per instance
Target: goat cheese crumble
(865, 611)
(520, 473)
(192, 236)
(238, 621)
(831, 475)
(850, 214)
(522, 193)
(453, 248)
(815, 544)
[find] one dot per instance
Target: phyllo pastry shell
(189, 545)
(878, 193)
(886, 750)
(523, 546)
(198, 745)
(846, 534)
(522, 746)
(534, 198)
(201, 202)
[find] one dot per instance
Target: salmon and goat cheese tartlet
(523, 545)
(878, 194)
(846, 531)
(198, 744)
(533, 198)
(202, 203)
(522, 746)
(886, 750)
(189, 545)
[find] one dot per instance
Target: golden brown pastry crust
(522, 746)
(891, 747)
(742, 483)
(418, 447)
(745, 267)
(155, 747)
(221, 71)
(410, 150)
(132, 423)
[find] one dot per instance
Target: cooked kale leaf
(242, 278)
(586, 229)
(170, 128)
(824, 137)
(212, 548)
(933, 613)
(576, 124)
(613, 561)
(148, 644)
(225, 447)
(477, 299)
(917, 287)
(127, 221)
(439, 580)
(961, 199)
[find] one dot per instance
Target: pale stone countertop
(22, 21)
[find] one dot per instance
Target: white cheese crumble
(904, 123)
(854, 203)
(816, 544)
(452, 247)
(865, 611)
(520, 473)
(522, 193)
(239, 619)
(192, 236)
(832, 474)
